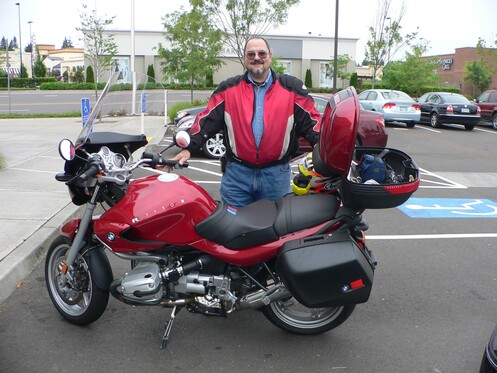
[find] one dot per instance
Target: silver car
(396, 106)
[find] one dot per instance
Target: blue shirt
(258, 119)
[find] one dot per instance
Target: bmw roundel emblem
(111, 236)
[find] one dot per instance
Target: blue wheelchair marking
(449, 208)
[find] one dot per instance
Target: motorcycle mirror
(182, 139)
(67, 150)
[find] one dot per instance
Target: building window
(325, 75)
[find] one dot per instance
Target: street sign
(144, 102)
(449, 208)
(85, 110)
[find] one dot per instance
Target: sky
(445, 24)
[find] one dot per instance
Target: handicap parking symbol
(449, 208)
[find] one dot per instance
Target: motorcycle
(301, 260)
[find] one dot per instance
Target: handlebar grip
(92, 171)
(157, 160)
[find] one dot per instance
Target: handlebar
(93, 169)
(158, 160)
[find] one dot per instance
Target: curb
(25, 257)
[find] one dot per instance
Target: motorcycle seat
(265, 221)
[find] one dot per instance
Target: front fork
(78, 241)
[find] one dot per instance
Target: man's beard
(257, 71)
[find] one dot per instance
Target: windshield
(396, 95)
(113, 110)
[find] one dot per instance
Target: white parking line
(429, 236)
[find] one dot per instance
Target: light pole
(20, 44)
(31, 42)
(389, 37)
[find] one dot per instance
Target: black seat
(265, 221)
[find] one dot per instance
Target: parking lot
(432, 308)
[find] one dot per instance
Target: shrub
(308, 78)
(151, 73)
(354, 81)
(171, 113)
(90, 77)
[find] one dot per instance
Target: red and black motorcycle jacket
(289, 113)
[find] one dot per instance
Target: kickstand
(168, 327)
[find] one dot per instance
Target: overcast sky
(446, 24)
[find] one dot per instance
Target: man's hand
(182, 156)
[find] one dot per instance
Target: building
(450, 68)
(296, 53)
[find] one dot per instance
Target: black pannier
(326, 270)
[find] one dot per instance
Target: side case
(326, 270)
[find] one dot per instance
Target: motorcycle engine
(143, 284)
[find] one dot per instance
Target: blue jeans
(241, 185)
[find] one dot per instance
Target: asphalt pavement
(33, 204)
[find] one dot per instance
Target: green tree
(67, 43)
(308, 78)
(354, 80)
(100, 48)
(13, 44)
(24, 72)
(478, 75)
(412, 74)
(151, 73)
(79, 76)
(241, 19)
(385, 37)
(39, 68)
(488, 55)
(194, 45)
(90, 78)
(277, 66)
(3, 43)
(342, 62)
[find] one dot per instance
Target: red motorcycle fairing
(70, 227)
(155, 211)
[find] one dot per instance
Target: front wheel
(78, 300)
(294, 317)
(494, 121)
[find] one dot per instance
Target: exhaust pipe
(262, 298)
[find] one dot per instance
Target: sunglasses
(251, 55)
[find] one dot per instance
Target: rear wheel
(434, 120)
(214, 147)
(294, 317)
(78, 300)
(410, 124)
(469, 127)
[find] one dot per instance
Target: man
(262, 115)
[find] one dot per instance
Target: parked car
(487, 102)
(396, 106)
(489, 360)
(371, 130)
(439, 108)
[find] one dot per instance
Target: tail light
(388, 105)
(416, 107)
(380, 121)
(478, 110)
(450, 109)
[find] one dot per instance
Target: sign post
(144, 107)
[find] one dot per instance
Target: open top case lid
(338, 133)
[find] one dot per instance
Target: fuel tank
(156, 210)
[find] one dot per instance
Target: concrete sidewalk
(33, 204)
